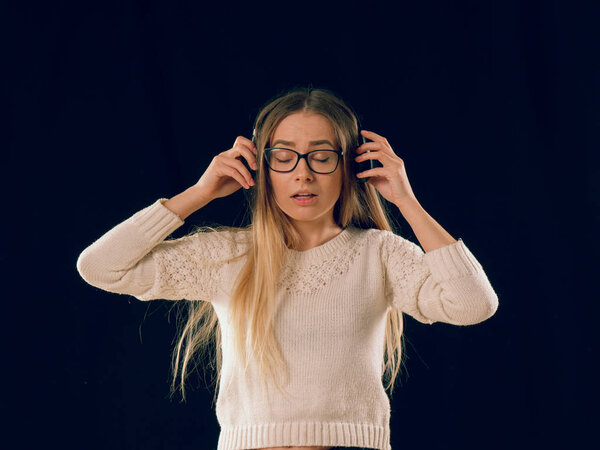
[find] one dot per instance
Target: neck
(314, 234)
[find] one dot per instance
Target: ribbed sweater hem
(304, 434)
(157, 221)
(452, 262)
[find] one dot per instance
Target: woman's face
(304, 132)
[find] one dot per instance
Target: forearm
(188, 202)
(430, 234)
(116, 261)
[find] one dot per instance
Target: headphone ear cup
(363, 165)
(257, 162)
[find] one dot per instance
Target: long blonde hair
(253, 298)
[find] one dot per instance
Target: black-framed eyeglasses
(319, 161)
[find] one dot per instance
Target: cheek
(277, 186)
(336, 185)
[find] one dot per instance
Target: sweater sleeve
(444, 285)
(134, 258)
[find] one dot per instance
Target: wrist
(406, 203)
(199, 195)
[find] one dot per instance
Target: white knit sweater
(330, 324)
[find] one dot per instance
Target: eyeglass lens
(323, 161)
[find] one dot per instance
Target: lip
(304, 201)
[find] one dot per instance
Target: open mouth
(304, 196)
(304, 199)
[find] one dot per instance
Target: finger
(372, 154)
(237, 176)
(246, 142)
(237, 164)
(377, 172)
(373, 136)
(247, 154)
(368, 146)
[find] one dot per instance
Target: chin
(306, 213)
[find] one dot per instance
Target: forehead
(304, 126)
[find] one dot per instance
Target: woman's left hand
(390, 180)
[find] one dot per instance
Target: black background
(493, 106)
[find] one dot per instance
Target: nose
(302, 171)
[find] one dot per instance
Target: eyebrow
(319, 142)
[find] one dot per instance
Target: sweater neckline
(331, 246)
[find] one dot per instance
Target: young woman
(305, 304)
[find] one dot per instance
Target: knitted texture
(330, 322)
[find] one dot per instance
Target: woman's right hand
(226, 173)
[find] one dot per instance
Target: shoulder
(210, 242)
(375, 235)
(386, 242)
(230, 237)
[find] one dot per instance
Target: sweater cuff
(157, 221)
(452, 261)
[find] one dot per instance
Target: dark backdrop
(493, 106)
